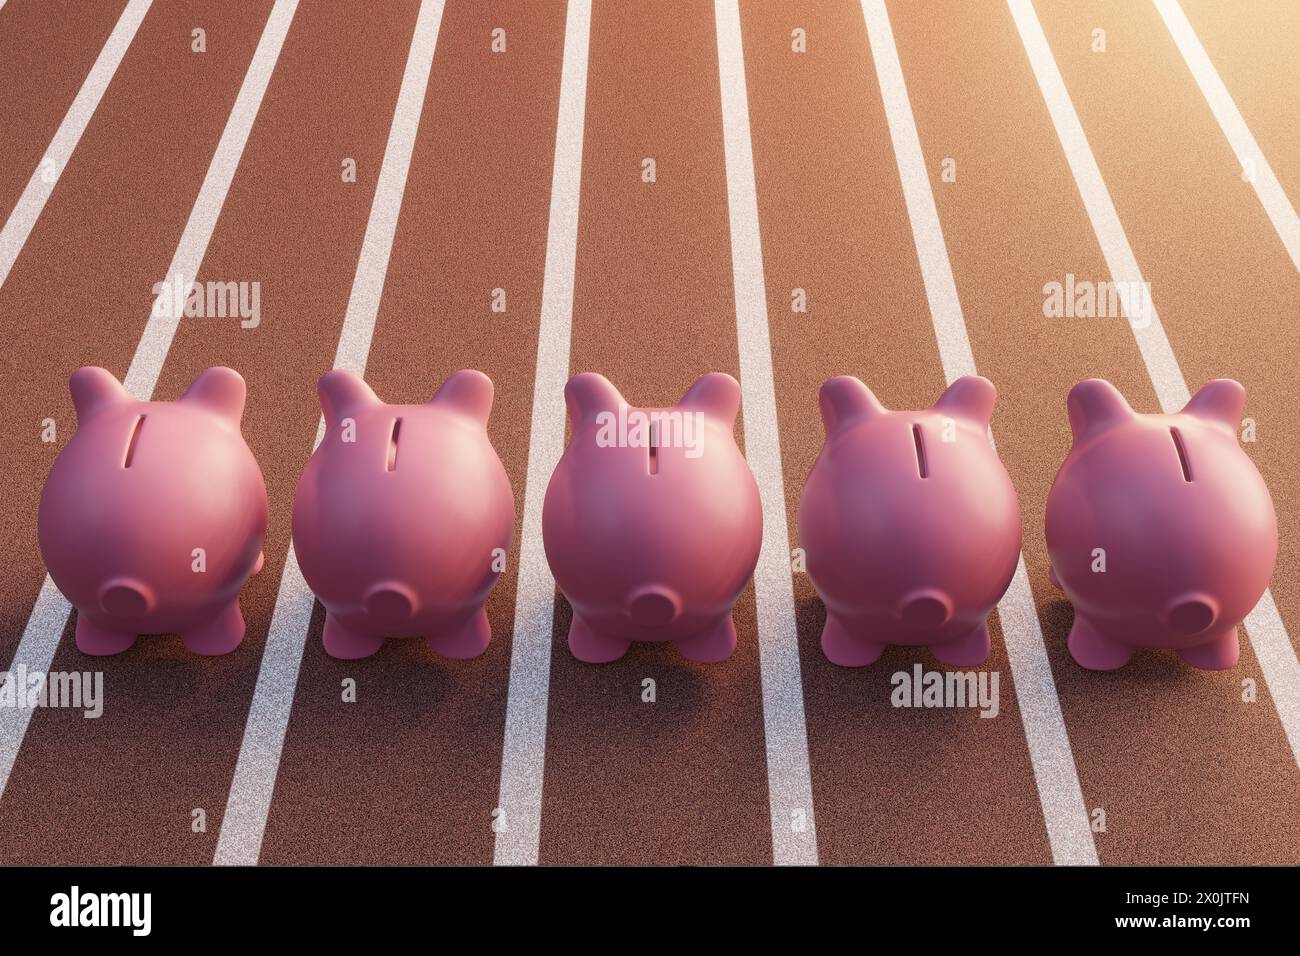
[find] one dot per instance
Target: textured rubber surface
(42, 65)
(1184, 770)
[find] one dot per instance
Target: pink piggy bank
(403, 517)
(1159, 528)
(909, 523)
(153, 516)
(652, 522)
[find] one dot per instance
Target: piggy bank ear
(844, 400)
(717, 395)
(589, 394)
(1094, 406)
(94, 389)
(468, 392)
(341, 391)
(971, 398)
(1219, 402)
(221, 391)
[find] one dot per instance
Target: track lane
(1253, 48)
(80, 291)
(121, 789)
(1174, 793)
(409, 773)
(682, 780)
(1254, 165)
(835, 224)
(785, 732)
(518, 816)
(42, 66)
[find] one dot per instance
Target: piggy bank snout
(391, 602)
(1191, 613)
(925, 609)
(126, 597)
(653, 606)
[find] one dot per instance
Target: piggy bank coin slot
(1181, 448)
(652, 462)
(392, 444)
(133, 441)
(921, 468)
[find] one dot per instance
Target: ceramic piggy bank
(1159, 528)
(652, 522)
(153, 516)
(403, 517)
(909, 523)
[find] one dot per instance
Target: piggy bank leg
(99, 641)
(1093, 650)
(841, 646)
(466, 641)
(1218, 654)
(968, 651)
(221, 635)
(711, 646)
(592, 648)
(345, 644)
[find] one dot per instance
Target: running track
(776, 170)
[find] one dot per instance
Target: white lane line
(519, 804)
(156, 341)
(1050, 754)
(24, 215)
(249, 803)
(35, 652)
(49, 616)
(1280, 211)
(1264, 627)
(789, 779)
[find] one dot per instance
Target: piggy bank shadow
(1149, 665)
(607, 700)
(1151, 670)
(855, 701)
(169, 664)
(414, 681)
(168, 696)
